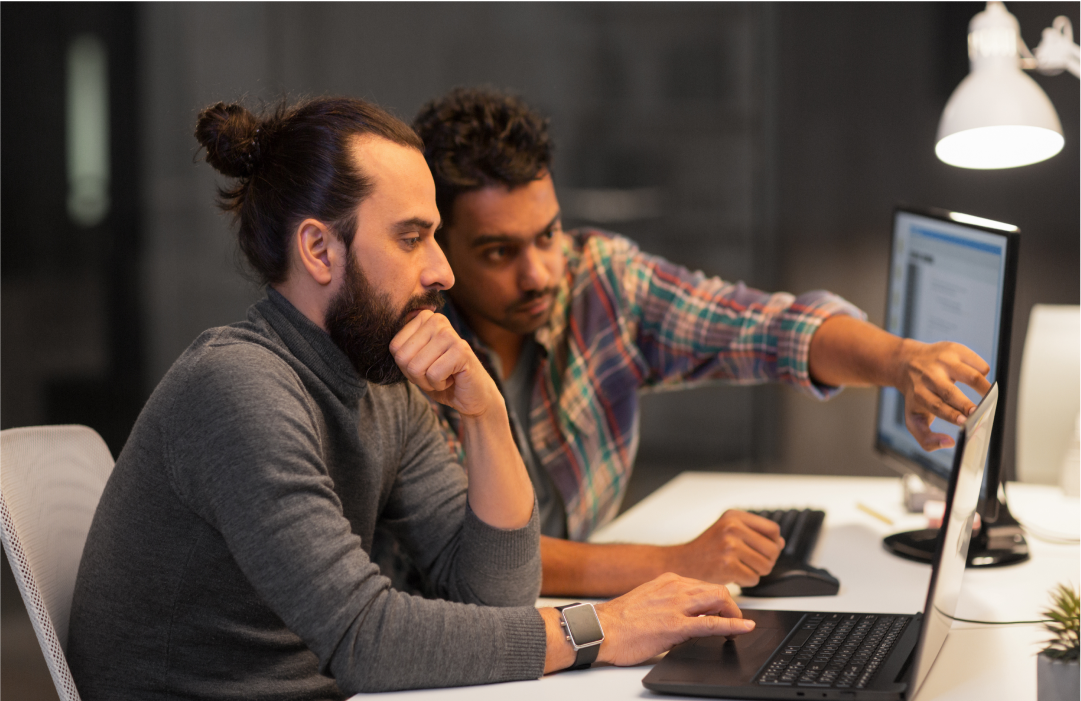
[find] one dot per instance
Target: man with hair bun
(575, 323)
(229, 556)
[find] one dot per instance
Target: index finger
(952, 400)
(409, 329)
(717, 625)
(712, 599)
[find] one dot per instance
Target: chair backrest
(51, 479)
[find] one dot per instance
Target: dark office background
(760, 142)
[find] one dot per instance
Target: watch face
(583, 624)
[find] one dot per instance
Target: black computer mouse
(800, 580)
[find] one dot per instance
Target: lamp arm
(1056, 52)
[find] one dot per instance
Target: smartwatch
(584, 632)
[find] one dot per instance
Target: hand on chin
(435, 358)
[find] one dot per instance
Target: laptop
(850, 656)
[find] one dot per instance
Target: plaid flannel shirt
(623, 321)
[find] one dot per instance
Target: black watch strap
(584, 656)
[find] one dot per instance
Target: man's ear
(316, 250)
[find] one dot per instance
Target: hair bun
(229, 135)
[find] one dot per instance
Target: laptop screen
(949, 569)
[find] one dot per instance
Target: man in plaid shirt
(573, 324)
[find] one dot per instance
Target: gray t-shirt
(229, 556)
(518, 392)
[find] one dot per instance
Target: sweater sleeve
(465, 558)
(247, 458)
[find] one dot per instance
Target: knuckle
(707, 624)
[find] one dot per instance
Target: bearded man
(229, 555)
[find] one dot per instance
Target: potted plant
(1057, 677)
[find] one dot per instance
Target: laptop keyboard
(838, 650)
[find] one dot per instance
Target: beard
(363, 322)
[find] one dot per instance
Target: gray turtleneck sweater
(229, 556)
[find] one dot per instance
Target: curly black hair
(478, 137)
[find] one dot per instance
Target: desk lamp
(998, 117)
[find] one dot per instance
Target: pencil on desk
(868, 510)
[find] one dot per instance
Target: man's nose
(534, 274)
(436, 273)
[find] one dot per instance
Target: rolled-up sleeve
(689, 327)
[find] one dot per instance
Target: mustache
(430, 299)
(530, 297)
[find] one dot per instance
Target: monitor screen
(951, 278)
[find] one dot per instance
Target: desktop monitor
(952, 278)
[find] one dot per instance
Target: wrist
(493, 408)
(673, 558)
(902, 354)
(559, 653)
(581, 627)
(608, 624)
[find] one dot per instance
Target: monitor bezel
(988, 506)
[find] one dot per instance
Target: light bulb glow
(1002, 146)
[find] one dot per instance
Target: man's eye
(412, 242)
(496, 254)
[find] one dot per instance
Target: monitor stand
(998, 543)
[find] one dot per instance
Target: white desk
(976, 663)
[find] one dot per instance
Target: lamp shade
(998, 117)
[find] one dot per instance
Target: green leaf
(1063, 624)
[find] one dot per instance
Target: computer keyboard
(793, 574)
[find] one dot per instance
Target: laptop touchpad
(736, 659)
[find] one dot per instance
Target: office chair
(51, 479)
